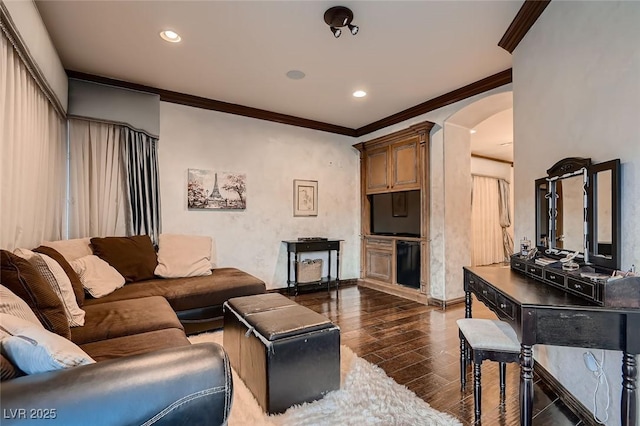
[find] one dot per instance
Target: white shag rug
(367, 396)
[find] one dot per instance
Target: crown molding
(212, 104)
(524, 20)
(462, 93)
(480, 86)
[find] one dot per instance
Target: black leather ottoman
(285, 353)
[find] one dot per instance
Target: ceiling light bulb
(472, 131)
(336, 31)
(359, 94)
(353, 28)
(170, 36)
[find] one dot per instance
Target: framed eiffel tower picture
(210, 190)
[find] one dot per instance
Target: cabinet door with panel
(405, 170)
(378, 170)
(379, 259)
(393, 167)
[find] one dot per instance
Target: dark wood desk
(295, 247)
(541, 314)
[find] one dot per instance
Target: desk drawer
(483, 291)
(555, 278)
(581, 287)
(505, 306)
(535, 270)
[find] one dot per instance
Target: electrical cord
(599, 373)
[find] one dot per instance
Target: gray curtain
(505, 217)
(140, 162)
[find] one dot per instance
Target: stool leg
(463, 362)
(503, 372)
(477, 388)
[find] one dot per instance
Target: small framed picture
(399, 204)
(305, 197)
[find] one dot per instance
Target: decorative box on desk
(622, 292)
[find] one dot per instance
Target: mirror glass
(570, 213)
(604, 230)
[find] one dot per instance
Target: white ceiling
(239, 51)
(494, 136)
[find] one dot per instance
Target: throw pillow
(134, 257)
(55, 276)
(71, 249)
(19, 276)
(183, 256)
(78, 290)
(34, 350)
(13, 305)
(97, 276)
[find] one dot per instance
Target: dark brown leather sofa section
(146, 370)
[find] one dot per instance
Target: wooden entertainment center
(393, 164)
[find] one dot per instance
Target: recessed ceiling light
(359, 94)
(296, 75)
(170, 36)
(472, 131)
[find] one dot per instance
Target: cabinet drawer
(535, 270)
(555, 277)
(581, 287)
(519, 265)
(379, 244)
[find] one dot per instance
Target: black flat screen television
(396, 213)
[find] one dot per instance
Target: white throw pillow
(97, 276)
(33, 349)
(13, 305)
(71, 249)
(59, 282)
(183, 256)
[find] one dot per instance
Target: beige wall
(272, 155)
(577, 93)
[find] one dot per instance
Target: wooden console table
(295, 247)
(541, 314)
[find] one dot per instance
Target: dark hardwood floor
(418, 346)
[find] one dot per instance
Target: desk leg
(337, 271)
(467, 304)
(329, 272)
(628, 414)
(295, 272)
(526, 385)
(288, 273)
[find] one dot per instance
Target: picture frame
(399, 204)
(305, 197)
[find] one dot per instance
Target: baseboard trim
(565, 396)
(396, 290)
(445, 303)
(343, 283)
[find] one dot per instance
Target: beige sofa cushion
(183, 256)
(71, 249)
(97, 276)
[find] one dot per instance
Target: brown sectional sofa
(145, 365)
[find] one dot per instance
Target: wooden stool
(482, 339)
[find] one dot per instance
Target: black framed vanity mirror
(604, 205)
(578, 210)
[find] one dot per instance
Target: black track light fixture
(340, 16)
